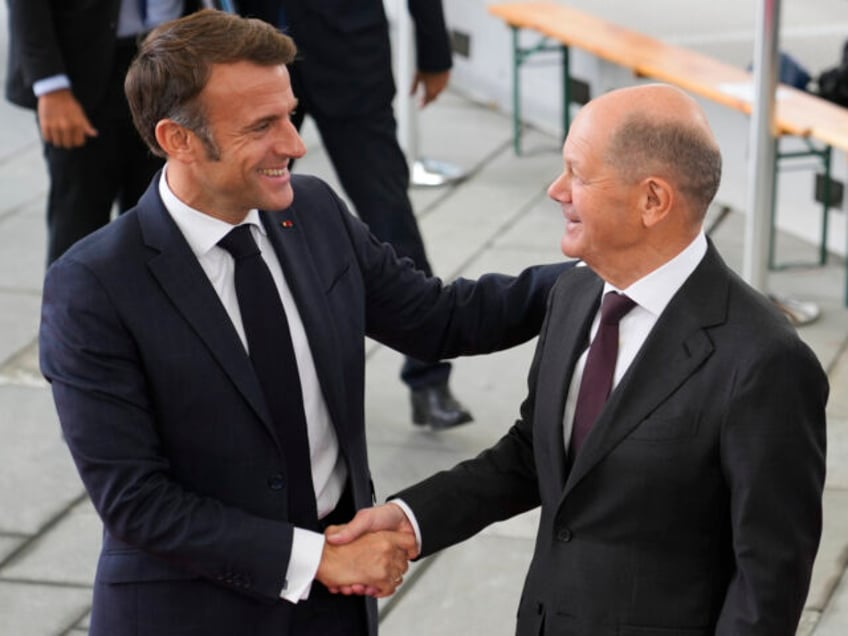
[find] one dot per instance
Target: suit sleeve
(499, 483)
(109, 421)
(432, 41)
(32, 26)
(773, 456)
(426, 319)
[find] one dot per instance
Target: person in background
(343, 80)
(67, 61)
(688, 500)
(206, 353)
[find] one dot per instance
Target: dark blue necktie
(596, 384)
(272, 355)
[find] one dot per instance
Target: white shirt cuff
(306, 551)
(400, 503)
(50, 84)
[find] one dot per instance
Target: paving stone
(833, 550)
(19, 315)
(65, 554)
(465, 591)
(39, 478)
(807, 624)
(41, 610)
(23, 245)
(837, 448)
(22, 369)
(9, 544)
(834, 619)
(837, 404)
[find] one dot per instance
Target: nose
(560, 189)
(289, 142)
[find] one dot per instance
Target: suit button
(564, 535)
(276, 482)
(539, 608)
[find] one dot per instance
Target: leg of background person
(373, 172)
(83, 185)
(86, 181)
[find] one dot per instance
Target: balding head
(659, 130)
(640, 169)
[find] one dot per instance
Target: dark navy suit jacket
(165, 419)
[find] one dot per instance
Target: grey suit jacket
(694, 506)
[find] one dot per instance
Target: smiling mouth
(274, 172)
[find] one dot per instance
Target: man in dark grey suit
(190, 461)
(693, 504)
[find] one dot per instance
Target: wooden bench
(797, 113)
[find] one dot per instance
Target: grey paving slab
(23, 247)
(8, 544)
(833, 550)
(482, 209)
(809, 619)
(21, 369)
(19, 311)
(40, 610)
(39, 478)
(834, 621)
(837, 446)
(837, 404)
(23, 176)
(66, 554)
(465, 591)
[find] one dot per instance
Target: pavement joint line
(47, 583)
(20, 207)
(841, 351)
(51, 523)
(498, 231)
(16, 155)
(14, 535)
(452, 188)
(398, 596)
(74, 628)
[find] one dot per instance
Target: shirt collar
(654, 291)
(201, 230)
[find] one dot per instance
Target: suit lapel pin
(287, 224)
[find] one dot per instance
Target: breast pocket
(662, 429)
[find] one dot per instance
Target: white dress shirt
(651, 294)
(329, 471)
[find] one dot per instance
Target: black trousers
(373, 171)
(114, 167)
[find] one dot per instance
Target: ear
(177, 142)
(657, 200)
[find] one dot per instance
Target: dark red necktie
(272, 355)
(596, 384)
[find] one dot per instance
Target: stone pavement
(497, 219)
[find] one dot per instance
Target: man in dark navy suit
(146, 341)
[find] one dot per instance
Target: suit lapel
(183, 280)
(676, 347)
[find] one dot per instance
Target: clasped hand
(370, 554)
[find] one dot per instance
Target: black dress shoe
(434, 405)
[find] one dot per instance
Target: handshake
(370, 554)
